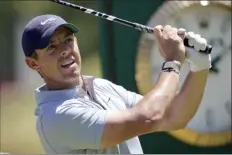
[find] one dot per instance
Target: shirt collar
(42, 95)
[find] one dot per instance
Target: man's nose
(65, 50)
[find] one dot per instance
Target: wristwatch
(170, 66)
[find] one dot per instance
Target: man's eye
(68, 40)
(51, 47)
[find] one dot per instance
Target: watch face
(213, 22)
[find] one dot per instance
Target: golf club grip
(207, 50)
(147, 29)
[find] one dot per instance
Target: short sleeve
(75, 126)
(130, 98)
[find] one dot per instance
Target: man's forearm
(154, 104)
(187, 101)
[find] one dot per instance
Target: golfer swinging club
(82, 114)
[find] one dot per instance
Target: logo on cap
(47, 20)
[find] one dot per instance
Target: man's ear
(32, 63)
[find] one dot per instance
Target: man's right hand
(171, 45)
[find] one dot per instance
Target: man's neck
(53, 85)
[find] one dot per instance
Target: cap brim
(48, 34)
(71, 27)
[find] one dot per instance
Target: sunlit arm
(186, 102)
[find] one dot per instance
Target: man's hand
(171, 46)
(198, 61)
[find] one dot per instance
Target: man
(83, 114)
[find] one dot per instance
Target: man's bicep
(123, 125)
(82, 127)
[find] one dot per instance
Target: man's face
(60, 62)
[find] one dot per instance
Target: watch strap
(170, 66)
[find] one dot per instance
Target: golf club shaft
(134, 25)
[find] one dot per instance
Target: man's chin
(72, 78)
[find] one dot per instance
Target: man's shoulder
(97, 81)
(101, 81)
(104, 84)
(60, 104)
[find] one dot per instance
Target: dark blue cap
(39, 31)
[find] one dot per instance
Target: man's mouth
(67, 63)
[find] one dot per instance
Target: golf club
(134, 25)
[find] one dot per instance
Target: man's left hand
(198, 61)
